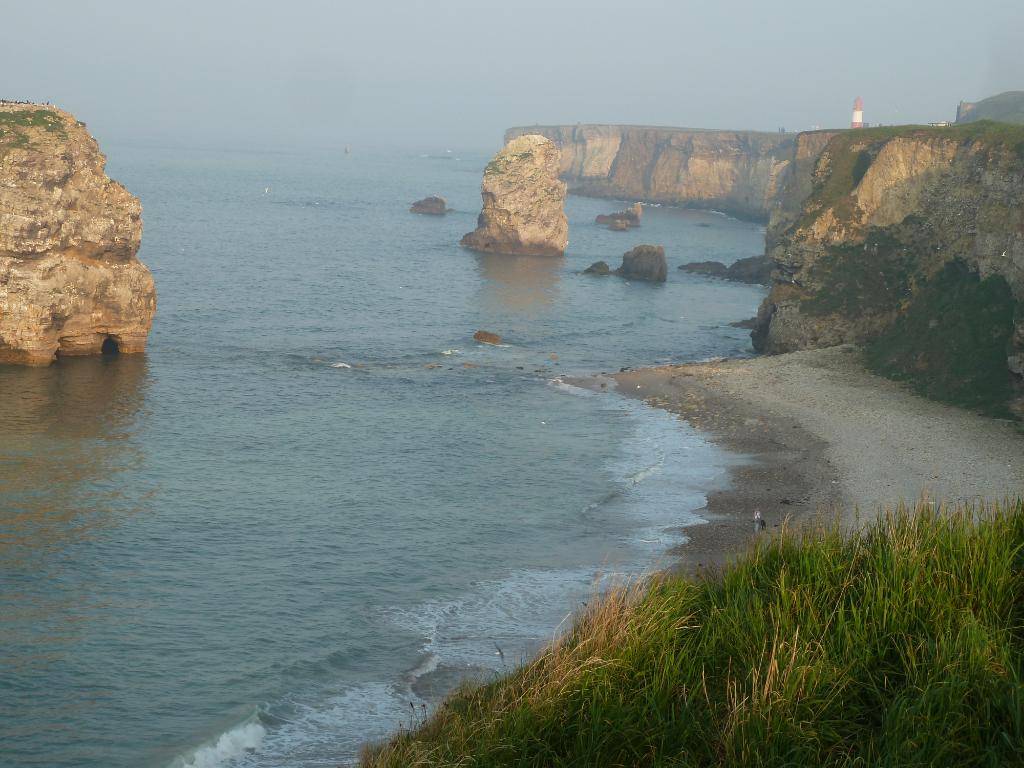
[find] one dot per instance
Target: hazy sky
(456, 73)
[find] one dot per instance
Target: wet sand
(825, 440)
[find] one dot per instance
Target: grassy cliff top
(667, 128)
(980, 130)
(18, 121)
(903, 645)
(851, 153)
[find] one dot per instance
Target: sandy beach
(824, 438)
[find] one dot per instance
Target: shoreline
(824, 440)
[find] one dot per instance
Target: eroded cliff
(909, 241)
(69, 280)
(736, 172)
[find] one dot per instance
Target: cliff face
(69, 280)
(911, 242)
(736, 172)
(523, 202)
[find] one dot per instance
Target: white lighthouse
(858, 113)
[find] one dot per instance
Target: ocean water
(316, 502)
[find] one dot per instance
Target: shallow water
(234, 551)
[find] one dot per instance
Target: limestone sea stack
(523, 202)
(70, 283)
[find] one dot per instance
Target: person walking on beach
(759, 523)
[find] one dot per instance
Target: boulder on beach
(599, 268)
(754, 270)
(430, 206)
(645, 262)
(622, 219)
(523, 202)
(486, 337)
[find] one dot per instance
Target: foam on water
(660, 469)
(325, 731)
(231, 746)
(245, 508)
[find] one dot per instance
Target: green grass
(850, 154)
(1005, 107)
(13, 124)
(901, 646)
(872, 277)
(952, 340)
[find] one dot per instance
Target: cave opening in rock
(109, 346)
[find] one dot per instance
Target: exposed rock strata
(69, 280)
(523, 202)
(732, 171)
(911, 241)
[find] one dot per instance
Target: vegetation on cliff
(13, 124)
(903, 645)
(907, 240)
(1006, 107)
(950, 343)
(852, 152)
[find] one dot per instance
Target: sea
(316, 503)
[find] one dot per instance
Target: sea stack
(69, 280)
(645, 262)
(523, 202)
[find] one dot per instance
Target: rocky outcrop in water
(622, 220)
(486, 337)
(909, 241)
(70, 283)
(754, 270)
(523, 202)
(735, 172)
(645, 262)
(430, 206)
(599, 268)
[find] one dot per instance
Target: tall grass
(900, 646)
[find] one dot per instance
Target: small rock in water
(599, 268)
(622, 219)
(486, 337)
(431, 206)
(645, 262)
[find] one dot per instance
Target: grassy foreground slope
(903, 646)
